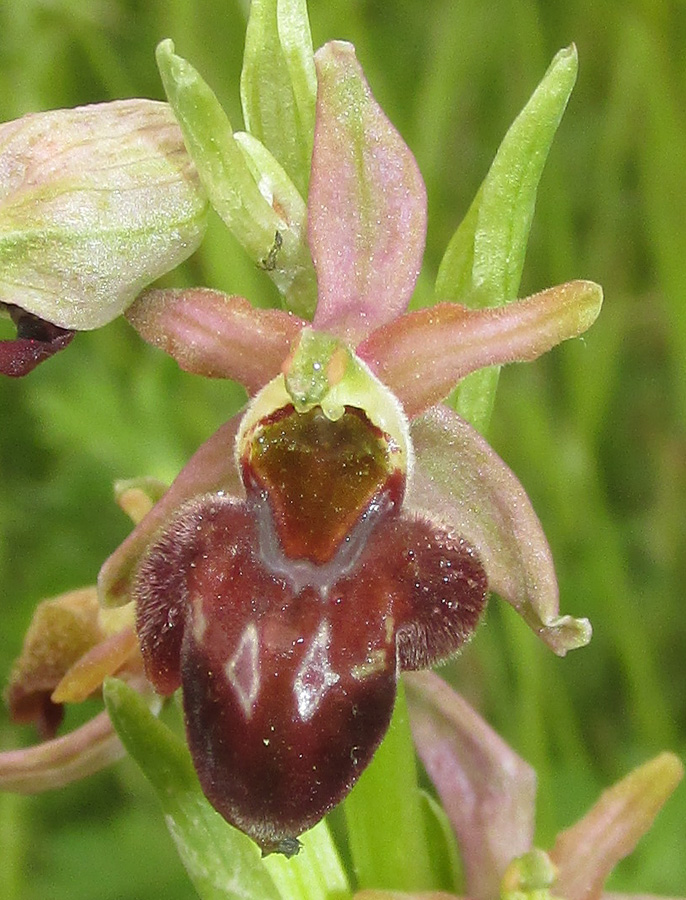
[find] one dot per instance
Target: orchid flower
(348, 525)
(489, 795)
(71, 645)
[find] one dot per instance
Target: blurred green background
(596, 431)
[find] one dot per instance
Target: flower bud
(95, 203)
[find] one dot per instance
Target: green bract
(483, 263)
(279, 84)
(246, 184)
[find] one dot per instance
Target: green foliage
(596, 431)
(483, 263)
(387, 848)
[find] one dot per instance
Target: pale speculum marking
(374, 663)
(315, 675)
(243, 669)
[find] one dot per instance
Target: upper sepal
(367, 203)
(95, 203)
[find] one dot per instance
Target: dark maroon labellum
(36, 341)
(287, 618)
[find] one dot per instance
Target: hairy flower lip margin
(310, 682)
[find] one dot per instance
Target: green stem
(384, 815)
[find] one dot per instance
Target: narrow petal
(587, 852)
(95, 204)
(367, 204)
(88, 673)
(487, 791)
(36, 341)
(460, 481)
(56, 763)
(211, 468)
(212, 334)
(421, 356)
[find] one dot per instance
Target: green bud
(95, 203)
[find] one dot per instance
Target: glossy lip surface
(318, 477)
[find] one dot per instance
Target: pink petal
(89, 671)
(56, 763)
(460, 481)
(421, 356)
(367, 204)
(487, 791)
(211, 468)
(587, 852)
(212, 334)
